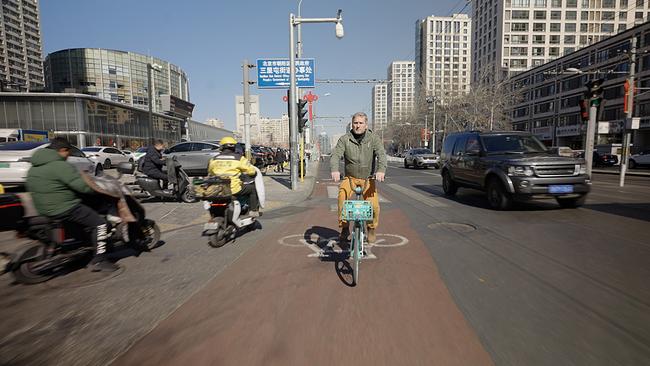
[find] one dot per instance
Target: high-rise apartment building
(254, 115)
(215, 122)
(443, 55)
(511, 36)
(400, 90)
(21, 60)
(273, 131)
(379, 106)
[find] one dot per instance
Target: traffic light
(595, 91)
(302, 112)
(584, 109)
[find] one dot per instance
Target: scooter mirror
(125, 168)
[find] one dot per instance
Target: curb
(615, 172)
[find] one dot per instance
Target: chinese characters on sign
(274, 73)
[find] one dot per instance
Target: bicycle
(357, 211)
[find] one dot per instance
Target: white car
(107, 156)
(140, 152)
(642, 158)
(130, 154)
(15, 161)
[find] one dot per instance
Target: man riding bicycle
(364, 155)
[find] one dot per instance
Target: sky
(209, 39)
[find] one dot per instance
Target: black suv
(511, 166)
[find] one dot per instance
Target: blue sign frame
(273, 73)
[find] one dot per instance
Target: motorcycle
(227, 212)
(146, 187)
(59, 246)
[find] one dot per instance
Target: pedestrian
(364, 156)
(280, 158)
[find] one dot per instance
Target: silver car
(15, 161)
(421, 158)
(193, 156)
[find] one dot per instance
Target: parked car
(15, 161)
(601, 159)
(130, 154)
(140, 152)
(563, 151)
(511, 166)
(194, 156)
(107, 156)
(421, 158)
(640, 159)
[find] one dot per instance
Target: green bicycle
(357, 211)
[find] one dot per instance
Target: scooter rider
(55, 186)
(153, 163)
(230, 164)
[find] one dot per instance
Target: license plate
(4, 165)
(560, 189)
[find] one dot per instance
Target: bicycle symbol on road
(326, 247)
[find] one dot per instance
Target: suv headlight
(583, 169)
(520, 171)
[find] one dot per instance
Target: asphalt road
(451, 282)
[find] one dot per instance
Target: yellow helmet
(228, 140)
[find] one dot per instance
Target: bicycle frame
(358, 211)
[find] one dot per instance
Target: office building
(512, 36)
(21, 54)
(549, 95)
(119, 76)
(443, 55)
(215, 122)
(400, 90)
(379, 106)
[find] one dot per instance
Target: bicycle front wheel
(356, 251)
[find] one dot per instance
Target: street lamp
(293, 92)
(151, 67)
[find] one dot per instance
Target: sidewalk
(278, 188)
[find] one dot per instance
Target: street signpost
(274, 73)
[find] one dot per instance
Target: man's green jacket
(359, 156)
(54, 183)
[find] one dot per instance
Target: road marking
(325, 247)
(429, 201)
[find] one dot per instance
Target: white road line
(429, 201)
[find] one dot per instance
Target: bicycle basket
(212, 188)
(356, 210)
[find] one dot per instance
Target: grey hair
(360, 114)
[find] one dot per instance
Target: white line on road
(429, 201)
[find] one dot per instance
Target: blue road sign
(273, 73)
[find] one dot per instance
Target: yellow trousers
(346, 191)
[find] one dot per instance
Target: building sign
(176, 107)
(544, 133)
(569, 130)
(275, 73)
(605, 128)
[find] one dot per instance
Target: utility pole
(247, 110)
(625, 154)
(433, 145)
(293, 110)
(589, 141)
(150, 101)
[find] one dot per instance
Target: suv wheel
(497, 196)
(573, 202)
(406, 165)
(632, 164)
(448, 185)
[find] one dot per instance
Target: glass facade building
(113, 75)
(86, 120)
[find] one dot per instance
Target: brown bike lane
(280, 304)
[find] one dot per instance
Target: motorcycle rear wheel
(219, 239)
(151, 233)
(24, 271)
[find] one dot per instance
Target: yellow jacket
(230, 165)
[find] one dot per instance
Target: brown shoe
(345, 232)
(371, 236)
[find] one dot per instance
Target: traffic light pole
(247, 112)
(293, 112)
(625, 154)
(591, 132)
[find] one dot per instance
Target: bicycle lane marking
(325, 247)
